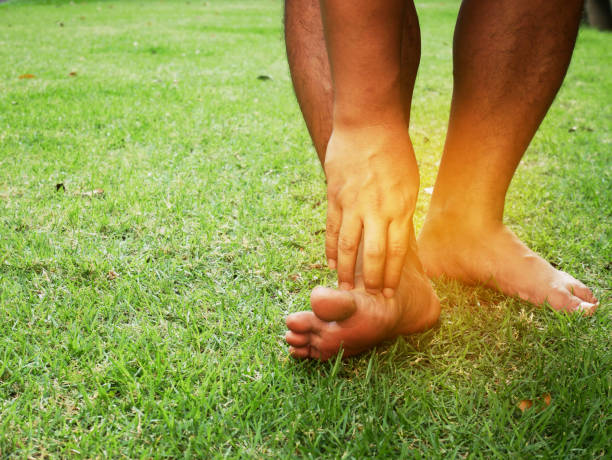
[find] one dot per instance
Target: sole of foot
(495, 257)
(355, 320)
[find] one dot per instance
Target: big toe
(332, 304)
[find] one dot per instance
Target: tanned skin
(353, 66)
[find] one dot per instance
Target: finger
(334, 220)
(348, 244)
(374, 249)
(397, 247)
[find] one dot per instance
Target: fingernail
(332, 264)
(388, 293)
(345, 286)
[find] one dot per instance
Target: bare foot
(497, 258)
(357, 320)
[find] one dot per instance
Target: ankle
(472, 221)
(475, 206)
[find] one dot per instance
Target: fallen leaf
(26, 75)
(111, 275)
(59, 187)
(315, 266)
(572, 129)
(295, 277)
(264, 77)
(525, 404)
(546, 398)
(72, 74)
(94, 192)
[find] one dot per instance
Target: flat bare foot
(357, 320)
(494, 256)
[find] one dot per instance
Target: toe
(571, 303)
(587, 308)
(297, 340)
(582, 292)
(300, 322)
(299, 352)
(332, 304)
(325, 346)
(315, 353)
(561, 299)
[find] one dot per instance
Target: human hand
(372, 186)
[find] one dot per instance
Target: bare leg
(355, 319)
(309, 66)
(510, 58)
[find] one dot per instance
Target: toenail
(587, 308)
(332, 264)
(388, 292)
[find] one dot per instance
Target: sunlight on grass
(147, 321)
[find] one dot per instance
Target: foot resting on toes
(494, 256)
(357, 320)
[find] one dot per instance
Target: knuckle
(373, 252)
(404, 203)
(397, 249)
(332, 227)
(346, 245)
(377, 200)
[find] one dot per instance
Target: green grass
(212, 217)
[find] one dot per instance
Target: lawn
(162, 211)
